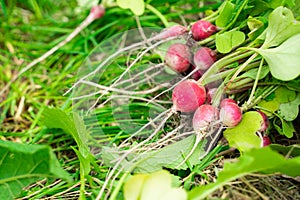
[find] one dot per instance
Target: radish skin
(187, 96)
(230, 114)
(178, 57)
(202, 29)
(204, 116)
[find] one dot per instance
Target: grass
(29, 29)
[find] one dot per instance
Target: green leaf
(292, 150)
(243, 136)
(286, 128)
(283, 60)
(21, 165)
(284, 95)
(225, 42)
(225, 14)
(56, 118)
(281, 27)
(289, 111)
(252, 73)
(136, 6)
(157, 185)
(170, 156)
(262, 160)
(271, 106)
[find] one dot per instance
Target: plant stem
(158, 14)
(255, 82)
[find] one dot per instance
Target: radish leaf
(281, 27)
(283, 60)
(21, 165)
(289, 111)
(262, 160)
(243, 136)
(225, 42)
(226, 10)
(157, 185)
(136, 6)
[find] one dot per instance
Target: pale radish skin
(204, 58)
(230, 114)
(188, 95)
(178, 57)
(202, 29)
(204, 116)
(172, 31)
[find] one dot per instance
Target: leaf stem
(255, 82)
(158, 14)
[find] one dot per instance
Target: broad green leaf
(281, 27)
(284, 95)
(243, 136)
(284, 60)
(256, 26)
(289, 111)
(136, 6)
(252, 73)
(170, 156)
(269, 106)
(133, 187)
(292, 151)
(56, 118)
(225, 42)
(262, 160)
(157, 185)
(225, 14)
(21, 165)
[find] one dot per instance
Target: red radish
(97, 11)
(265, 123)
(172, 31)
(197, 74)
(265, 141)
(230, 114)
(210, 94)
(188, 96)
(204, 116)
(204, 58)
(227, 100)
(202, 29)
(178, 57)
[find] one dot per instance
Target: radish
(210, 94)
(227, 100)
(202, 29)
(265, 123)
(188, 96)
(204, 116)
(97, 11)
(230, 114)
(172, 31)
(178, 57)
(204, 58)
(265, 141)
(196, 74)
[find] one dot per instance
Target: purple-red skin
(227, 100)
(178, 57)
(204, 58)
(265, 123)
(210, 94)
(204, 116)
(265, 141)
(230, 114)
(172, 31)
(97, 11)
(187, 96)
(197, 74)
(202, 29)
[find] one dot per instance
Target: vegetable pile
(235, 72)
